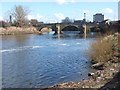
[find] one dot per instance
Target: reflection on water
(44, 60)
(69, 35)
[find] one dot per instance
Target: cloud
(72, 1)
(109, 14)
(41, 18)
(30, 17)
(107, 10)
(61, 1)
(109, 17)
(65, 1)
(37, 16)
(59, 16)
(1, 18)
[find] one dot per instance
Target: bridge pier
(58, 29)
(85, 30)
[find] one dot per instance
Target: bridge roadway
(58, 27)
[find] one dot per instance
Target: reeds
(104, 49)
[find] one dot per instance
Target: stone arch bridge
(58, 27)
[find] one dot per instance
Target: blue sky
(57, 10)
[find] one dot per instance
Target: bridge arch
(45, 29)
(70, 28)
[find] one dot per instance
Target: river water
(30, 61)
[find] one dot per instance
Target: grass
(104, 49)
(18, 30)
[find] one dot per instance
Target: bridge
(81, 26)
(59, 28)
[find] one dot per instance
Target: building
(119, 10)
(99, 17)
(78, 21)
(4, 24)
(34, 22)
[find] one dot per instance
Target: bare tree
(20, 16)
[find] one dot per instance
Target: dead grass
(104, 49)
(18, 30)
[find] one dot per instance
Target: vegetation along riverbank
(105, 53)
(18, 30)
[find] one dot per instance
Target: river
(30, 61)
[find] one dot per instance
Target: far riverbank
(18, 30)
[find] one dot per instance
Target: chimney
(10, 19)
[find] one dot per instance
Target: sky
(56, 10)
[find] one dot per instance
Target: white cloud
(73, 1)
(1, 18)
(38, 17)
(66, 1)
(61, 1)
(59, 16)
(107, 10)
(30, 17)
(110, 14)
(109, 17)
(106, 17)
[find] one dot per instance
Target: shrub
(103, 49)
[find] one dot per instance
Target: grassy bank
(18, 30)
(104, 53)
(105, 49)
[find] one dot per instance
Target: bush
(103, 49)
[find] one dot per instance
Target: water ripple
(20, 48)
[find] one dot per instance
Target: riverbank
(105, 75)
(97, 78)
(17, 30)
